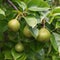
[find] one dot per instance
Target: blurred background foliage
(34, 12)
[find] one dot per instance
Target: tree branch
(12, 4)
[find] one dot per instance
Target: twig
(12, 4)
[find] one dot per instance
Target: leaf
(55, 57)
(2, 12)
(31, 21)
(1, 36)
(56, 10)
(53, 42)
(15, 54)
(58, 24)
(22, 4)
(27, 1)
(34, 32)
(24, 57)
(58, 30)
(1, 1)
(3, 24)
(35, 8)
(7, 54)
(1, 56)
(55, 13)
(39, 3)
(54, 16)
(57, 38)
(3, 27)
(51, 20)
(44, 16)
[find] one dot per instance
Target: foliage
(30, 13)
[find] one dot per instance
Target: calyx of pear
(26, 31)
(14, 25)
(44, 35)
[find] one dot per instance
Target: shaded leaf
(34, 32)
(53, 42)
(7, 54)
(1, 36)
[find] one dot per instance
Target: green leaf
(34, 32)
(55, 13)
(27, 1)
(58, 30)
(54, 16)
(1, 1)
(11, 34)
(55, 57)
(22, 4)
(51, 20)
(56, 10)
(1, 56)
(1, 36)
(53, 42)
(3, 24)
(24, 57)
(58, 24)
(15, 54)
(44, 16)
(2, 12)
(31, 21)
(57, 38)
(35, 8)
(7, 54)
(39, 3)
(3, 28)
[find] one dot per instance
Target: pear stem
(43, 22)
(17, 16)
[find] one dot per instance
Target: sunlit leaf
(54, 16)
(2, 12)
(39, 3)
(31, 21)
(58, 24)
(35, 8)
(56, 10)
(22, 4)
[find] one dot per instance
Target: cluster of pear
(43, 35)
(14, 25)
